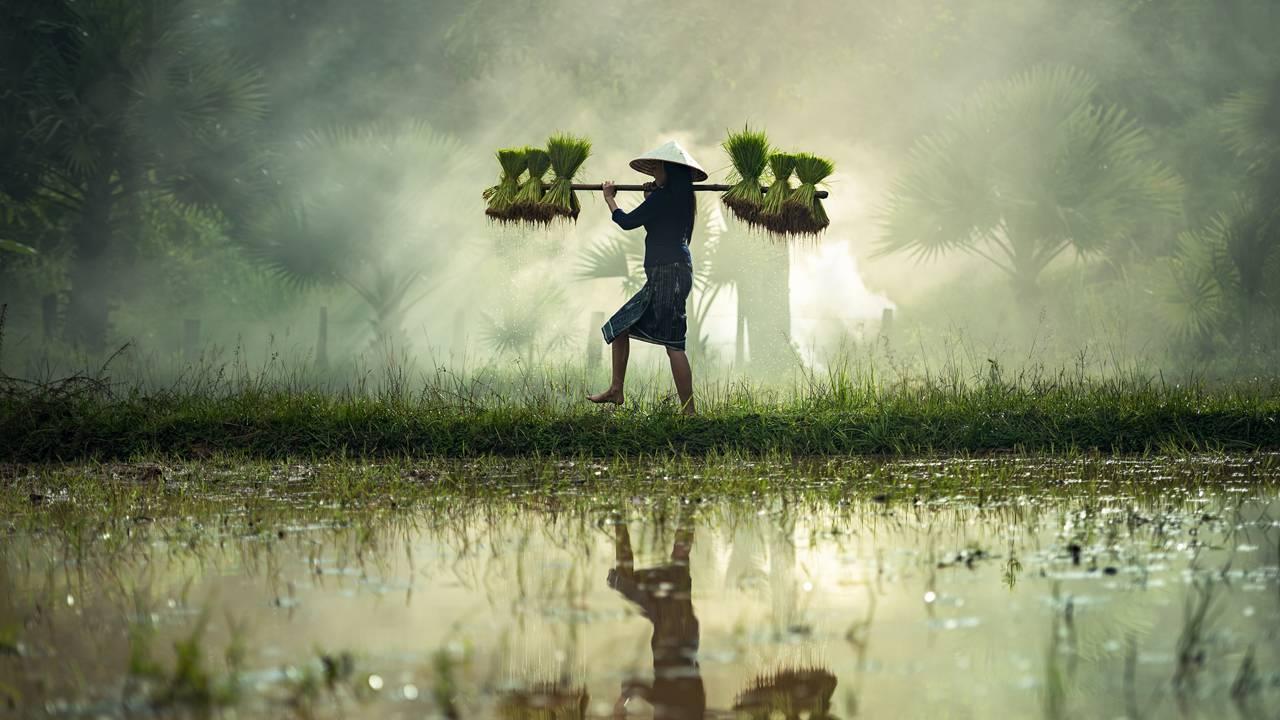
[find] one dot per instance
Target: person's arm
(630, 689)
(634, 219)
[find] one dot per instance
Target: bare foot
(608, 396)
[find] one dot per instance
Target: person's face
(660, 173)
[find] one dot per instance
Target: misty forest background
(1088, 184)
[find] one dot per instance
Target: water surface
(943, 588)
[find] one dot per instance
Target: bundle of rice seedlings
(544, 701)
(501, 196)
(567, 154)
(749, 152)
(777, 201)
(789, 692)
(528, 205)
(812, 218)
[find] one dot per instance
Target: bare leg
(683, 376)
(623, 575)
(622, 554)
(621, 349)
(684, 537)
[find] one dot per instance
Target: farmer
(664, 596)
(656, 314)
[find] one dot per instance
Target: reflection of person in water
(664, 595)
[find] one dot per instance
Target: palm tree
(1188, 290)
(1250, 231)
(1025, 170)
(113, 103)
(364, 208)
(1223, 279)
(759, 270)
(525, 325)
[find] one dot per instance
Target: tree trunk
(764, 301)
(388, 331)
(595, 349)
(190, 339)
(693, 334)
(1027, 291)
(1246, 343)
(740, 337)
(886, 325)
(87, 309)
(388, 323)
(49, 316)
(322, 340)
(1027, 296)
(1025, 275)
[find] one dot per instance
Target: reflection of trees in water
(763, 562)
(545, 598)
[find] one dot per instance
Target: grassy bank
(83, 419)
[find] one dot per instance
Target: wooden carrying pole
(696, 188)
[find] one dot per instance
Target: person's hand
(649, 187)
(630, 689)
(609, 189)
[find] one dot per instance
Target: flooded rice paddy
(1032, 587)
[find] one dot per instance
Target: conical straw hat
(672, 153)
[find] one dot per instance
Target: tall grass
(847, 408)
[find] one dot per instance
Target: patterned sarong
(656, 314)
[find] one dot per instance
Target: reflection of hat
(672, 153)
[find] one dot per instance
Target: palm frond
(944, 201)
(1249, 125)
(1032, 166)
(611, 257)
(507, 333)
(1190, 292)
(1247, 245)
(12, 246)
(295, 248)
(524, 325)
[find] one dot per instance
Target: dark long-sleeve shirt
(668, 224)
